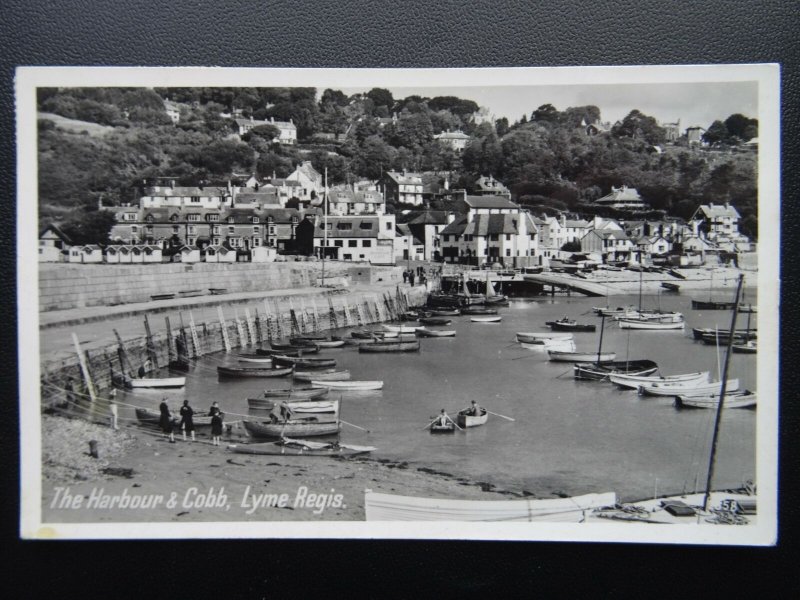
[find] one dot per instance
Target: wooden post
(192, 354)
(268, 320)
(316, 314)
(259, 327)
(224, 328)
(125, 363)
(171, 351)
(239, 329)
(303, 316)
(85, 369)
(278, 320)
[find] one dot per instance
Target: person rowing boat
(473, 410)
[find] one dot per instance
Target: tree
(90, 227)
(266, 132)
(458, 106)
(546, 113)
(574, 246)
(336, 97)
(381, 97)
(638, 125)
(501, 126)
(741, 127)
(716, 133)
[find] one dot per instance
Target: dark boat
(675, 273)
(368, 334)
(307, 348)
(569, 325)
(721, 337)
(699, 332)
(306, 363)
(478, 310)
(290, 428)
(445, 313)
(252, 372)
(449, 428)
(390, 347)
(671, 287)
(599, 371)
(435, 320)
(711, 305)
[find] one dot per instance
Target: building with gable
(345, 200)
(287, 129)
(407, 246)
(54, 244)
(426, 227)
(369, 238)
(310, 182)
(623, 198)
(457, 140)
(402, 188)
(489, 186)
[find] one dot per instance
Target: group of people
(411, 275)
(473, 410)
(187, 421)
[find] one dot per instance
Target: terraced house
(358, 238)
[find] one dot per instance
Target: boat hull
(541, 337)
(233, 372)
(634, 381)
(601, 372)
(348, 385)
(564, 326)
(278, 430)
(343, 375)
(156, 382)
(465, 420)
(745, 400)
(489, 319)
(295, 394)
(561, 356)
(304, 363)
(435, 333)
(687, 388)
(649, 325)
(299, 448)
(399, 347)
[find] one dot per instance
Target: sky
(692, 103)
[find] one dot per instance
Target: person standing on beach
(165, 421)
(214, 410)
(405, 276)
(187, 420)
(216, 427)
(411, 278)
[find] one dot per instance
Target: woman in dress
(165, 421)
(187, 420)
(216, 427)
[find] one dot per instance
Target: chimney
(172, 184)
(272, 119)
(251, 118)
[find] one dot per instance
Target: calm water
(570, 437)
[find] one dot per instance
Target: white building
(357, 238)
(457, 140)
(623, 198)
(287, 129)
(53, 244)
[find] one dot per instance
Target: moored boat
(422, 332)
(541, 337)
(601, 371)
(372, 334)
(307, 348)
(649, 324)
(435, 320)
(147, 416)
(700, 332)
(348, 385)
(744, 399)
(400, 328)
(670, 287)
(478, 310)
(750, 347)
(155, 382)
(438, 312)
(303, 362)
(561, 345)
(296, 447)
(566, 324)
(291, 428)
(565, 356)
(270, 352)
(634, 381)
(464, 419)
(330, 343)
(488, 319)
(323, 375)
(395, 347)
(296, 393)
(253, 358)
(684, 387)
(252, 371)
(391, 507)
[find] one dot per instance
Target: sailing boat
(600, 371)
(714, 507)
(575, 357)
(650, 320)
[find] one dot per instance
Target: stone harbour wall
(65, 286)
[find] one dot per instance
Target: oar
(499, 415)
(356, 426)
(564, 373)
(429, 424)
(454, 423)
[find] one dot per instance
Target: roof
(258, 122)
(360, 227)
(404, 230)
(405, 178)
(204, 192)
(57, 230)
(451, 135)
(483, 225)
(577, 224)
(456, 227)
(429, 217)
(489, 202)
(490, 184)
(715, 211)
(268, 197)
(609, 233)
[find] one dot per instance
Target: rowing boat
(649, 324)
(448, 427)
(295, 393)
(254, 358)
(541, 337)
(467, 420)
(744, 399)
(435, 320)
(308, 363)
(439, 312)
(348, 385)
(392, 507)
(292, 428)
(324, 375)
(153, 417)
(270, 352)
(252, 371)
(422, 332)
(561, 345)
(634, 381)
(389, 347)
(308, 348)
(750, 347)
(491, 319)
(478, 310)
(564, 356)
(699, 333)
(366, 334)
(400, 328)
(683, 387)
(600, 371)
(330, 343)
(155, 382)
(294, 447)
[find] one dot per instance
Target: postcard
(497, 304)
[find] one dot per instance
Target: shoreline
(142, 463)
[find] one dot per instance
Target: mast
(640, 288)
(324, 224)
(723, 386)
(600, 345)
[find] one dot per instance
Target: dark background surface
(416, 33)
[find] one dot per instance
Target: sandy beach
(208, 483)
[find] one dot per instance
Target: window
(272, 230)
(212, 218)
(190, 241)
(149, 229)
(176, 229)
(508, 237)
(231, 230)
(192, 229)
(446, 237)
(508, 251)
(338, 243)
(256, 242)
(389, 226)
(234, 242)
(348, 257)
(352, 243)
(419, 250)
(193, 217)
(195, 199)
(216, 241)
(256, 229)
(365, 225)
(134, 229)
(255, 220)
(129, 217)
(344, 226)
(493, 237)
(360, 256)
(366, 243)
(214, 230)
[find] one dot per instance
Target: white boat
(607, 311)
(744, 399)
(490, 319)
(649, 324)
(156, 382)
(562, 356)
(634, 381)
(683, 387)
(329, 343)
(541, 337)
(560, 345)
(348, 385)
(400, 328)
(391, 507)
(313, 406)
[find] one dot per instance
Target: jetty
(571, 284)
